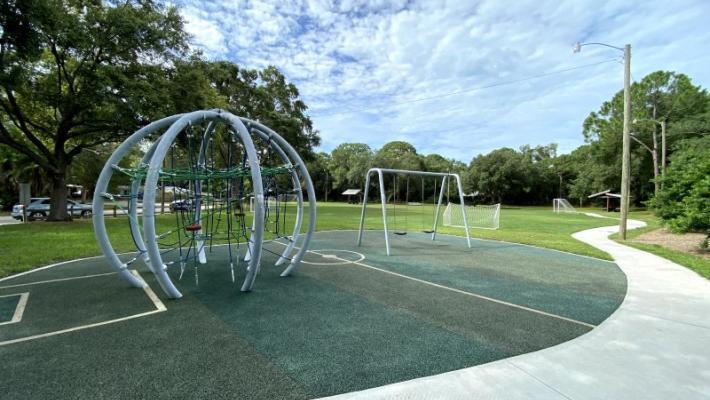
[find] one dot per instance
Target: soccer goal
(440, 178)
(562, 206)
(481, 216)
(272, 202)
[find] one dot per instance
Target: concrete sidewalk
(655, 346)
(8, 220)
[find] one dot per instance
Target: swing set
(397, 173)
(407, 204)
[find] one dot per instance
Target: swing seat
(428, 231)
(401, 233)
(193, 227)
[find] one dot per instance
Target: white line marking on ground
(151, 294)
(478, 296)
(57, 280)
(159, 307)
(482, 297)
(19, 309)
(339, 261)
(49, 266)
(481, 239)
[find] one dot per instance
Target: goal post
(380, 172)
(562, 206)
(271, 202)
(480, 216)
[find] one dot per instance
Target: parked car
(39, 209)
(180, 205)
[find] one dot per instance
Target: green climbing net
(202, 173)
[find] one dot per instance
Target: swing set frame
(445, 176)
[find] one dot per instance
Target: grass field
(40, 243)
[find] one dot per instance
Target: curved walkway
(655, 346)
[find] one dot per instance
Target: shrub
(684, 202)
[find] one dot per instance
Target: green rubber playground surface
(8, 305)
(350, 319)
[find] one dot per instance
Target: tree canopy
(349, 163)
(660, 96)
(398, 155)
(77, 74)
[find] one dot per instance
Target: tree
(318, 169)
(74, 74)
(14, 169)
(349, 164)
(438, 163)
(660, 96)
(398, 155)
(87, 166)
(265, 96)
(501, 175)
(684, 202)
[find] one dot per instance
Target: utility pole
(626, 137)
(325, 194)
(626, 145)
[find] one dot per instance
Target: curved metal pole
(257, 235)
(299, 195)
(133, 210)
(247, 254)
(100, 191)
(151, 184)
(295, 262)
(206, 137)
(294, 176)
(299, 201)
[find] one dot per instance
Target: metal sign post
(25, 195)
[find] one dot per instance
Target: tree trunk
(663, 151)
(58, 205)
(654, 153)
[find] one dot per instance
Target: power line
(493, 85)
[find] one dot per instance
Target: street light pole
(626, 138)
(626, 145)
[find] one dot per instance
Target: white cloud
(355, 61)
(205, 33)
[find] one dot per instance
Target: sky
(457, 78)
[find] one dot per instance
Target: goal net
(481, 216)
(562, 206)
(271, 201)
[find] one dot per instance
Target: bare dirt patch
(687, 242)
